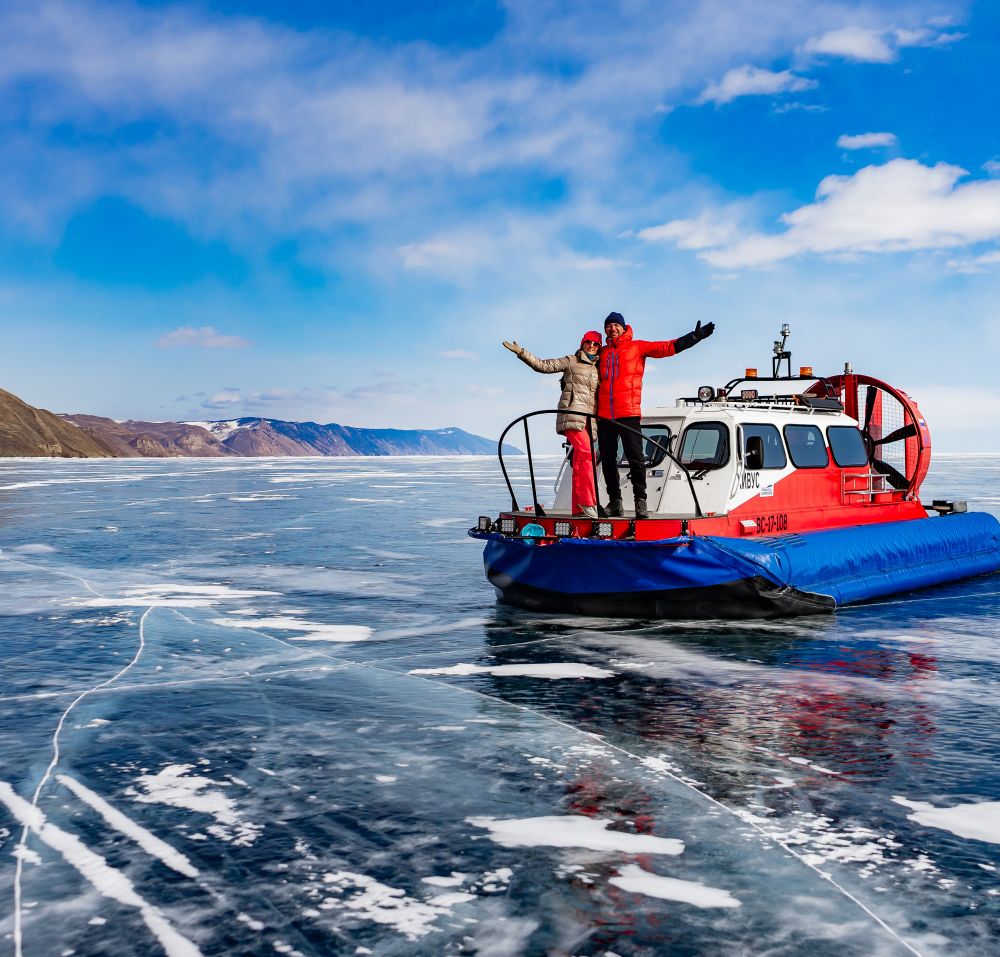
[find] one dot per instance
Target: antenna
(781, 354)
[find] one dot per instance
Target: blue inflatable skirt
(716, 577)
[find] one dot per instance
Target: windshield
(654, 455)
(705, 446)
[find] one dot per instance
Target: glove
(694, 337)
(513, 346)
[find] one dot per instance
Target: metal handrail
(590, 417)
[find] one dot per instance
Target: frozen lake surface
(270, 707)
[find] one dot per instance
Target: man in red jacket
(621, 365)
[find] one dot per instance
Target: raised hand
(513, 346)
(703, 332)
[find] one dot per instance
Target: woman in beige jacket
(579, 394)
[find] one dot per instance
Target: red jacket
(621, 367)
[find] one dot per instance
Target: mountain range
(27, 431)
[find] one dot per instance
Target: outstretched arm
(670, 347)
(539, 365)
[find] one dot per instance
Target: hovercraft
(774, 495)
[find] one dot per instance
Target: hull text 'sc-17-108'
(777, 495)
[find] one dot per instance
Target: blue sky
(337, 211)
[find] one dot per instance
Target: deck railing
(515, 507)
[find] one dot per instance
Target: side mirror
(753, 455)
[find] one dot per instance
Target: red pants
(583, 470)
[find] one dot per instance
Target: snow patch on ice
(104, 621)
(174, 786)
(27, 855)
(169, 596)
(635, 880)
(310, 630)
(573, 831)
(381, 904)
(978, 822)
(455, 880)
(550, 670)
(260, 497)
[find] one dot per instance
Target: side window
(654, 455)
(806, 446)
(705, 446)
(774, 448)
(847, 445)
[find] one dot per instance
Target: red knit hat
(591, 337)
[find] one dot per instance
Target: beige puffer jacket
(579, 386)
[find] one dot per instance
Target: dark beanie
(614, 317)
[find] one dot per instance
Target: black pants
(607, 441)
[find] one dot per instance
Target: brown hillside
(25, 430)
(141, 439)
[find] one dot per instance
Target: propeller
(877, 406)
(906, 432)
(870, 397)
(895, 477)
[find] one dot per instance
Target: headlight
(706, 393)
(508, 526)
(604, 529)
(485, 523)
(563, 529)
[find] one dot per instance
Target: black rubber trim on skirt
(745, 598)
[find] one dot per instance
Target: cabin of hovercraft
(760, 456)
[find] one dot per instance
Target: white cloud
(753, 81)
(901, 205)
(974, 264)
(866, 45)
(205, 337)
(587, 263)
(460, 354)
(853, 43)
(992, 166)
(705, 232)
(864, 141)
(222, 400)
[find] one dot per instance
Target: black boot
(602, 512)
(640, 508)
(615, 508)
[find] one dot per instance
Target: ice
(482, 779)
(149, 842)
(635, 880)
(106, 880)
